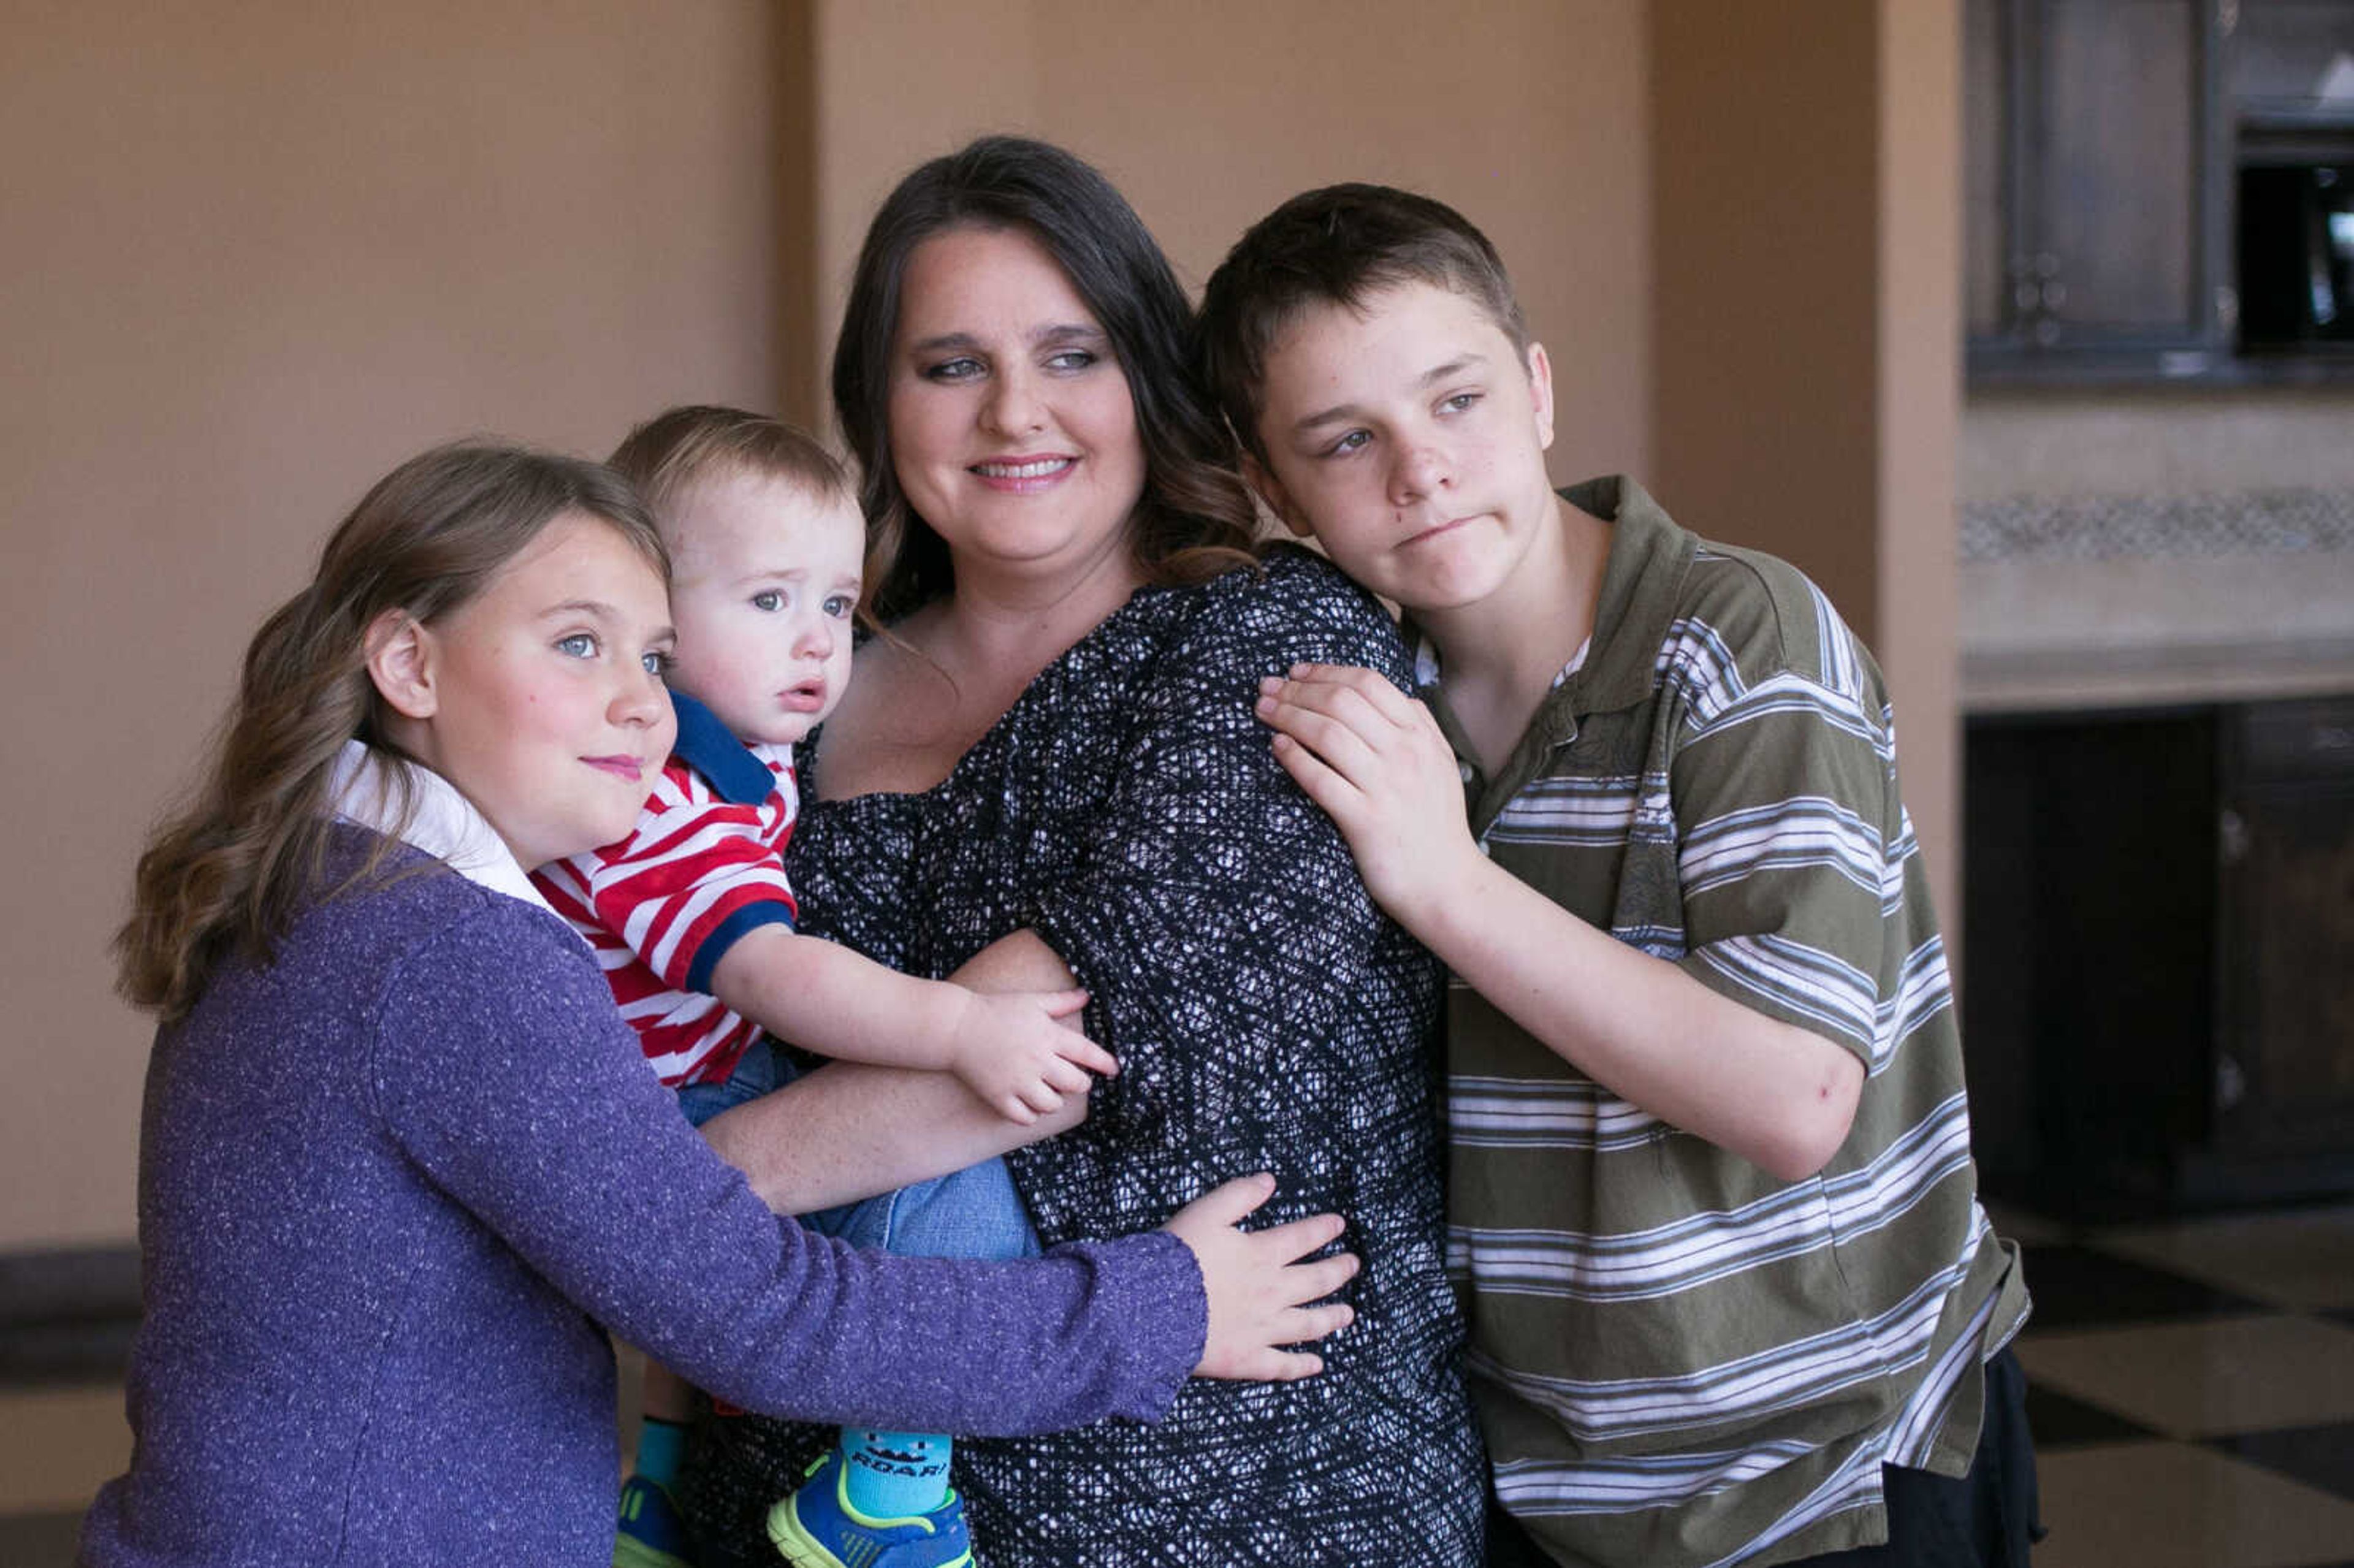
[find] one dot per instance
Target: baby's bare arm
(856, 1129)
(1005, 1042)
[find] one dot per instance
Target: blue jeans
(972, 1213)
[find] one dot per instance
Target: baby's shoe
(653, 1532)
(818, 1528)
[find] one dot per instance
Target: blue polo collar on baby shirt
(725, 763)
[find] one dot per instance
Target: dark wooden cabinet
(2089, 959)
(2105, 142)
(2094, 165)
(2158, 998)
(2284, 1025)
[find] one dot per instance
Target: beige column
(1806, 178)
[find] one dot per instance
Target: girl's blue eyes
(839, 606)
(768, 601)
(583, 645)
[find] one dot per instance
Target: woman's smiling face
(1012, 430)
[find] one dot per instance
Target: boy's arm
(1777, 1094)
(1008, 1047)
(855, 1130)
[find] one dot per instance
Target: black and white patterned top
(1265, 1016)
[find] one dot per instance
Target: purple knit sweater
(392, 1184)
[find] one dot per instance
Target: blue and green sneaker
(818, 1528)
(653, 1532)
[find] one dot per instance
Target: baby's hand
(1374, 758)
(1011, 1049)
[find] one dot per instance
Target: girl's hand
(1374, 758)
(1258, 1288)
(1012, 1050)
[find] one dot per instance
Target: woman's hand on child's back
(1022, 1052)
(1258, 1288)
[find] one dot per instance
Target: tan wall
(1806, 310)
(1527, 114)
(259, 252)
(256, 254)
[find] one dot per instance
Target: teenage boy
(1733, 1299)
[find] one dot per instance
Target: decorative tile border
(2106, 527)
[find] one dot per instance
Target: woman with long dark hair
(1047, 767)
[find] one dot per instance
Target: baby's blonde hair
(681, 448)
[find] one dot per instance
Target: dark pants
(1983, 1519)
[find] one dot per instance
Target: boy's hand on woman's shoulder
(1374, 758)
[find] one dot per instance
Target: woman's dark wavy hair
(1196, 519)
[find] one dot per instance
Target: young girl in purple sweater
(401, 1163)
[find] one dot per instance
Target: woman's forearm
(853, 1130)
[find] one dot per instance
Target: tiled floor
(2190, 1386)
(2191, 1390)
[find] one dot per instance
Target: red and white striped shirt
(701, 868)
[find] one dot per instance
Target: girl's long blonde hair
(225, 876)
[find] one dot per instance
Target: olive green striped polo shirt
(1681, 1360)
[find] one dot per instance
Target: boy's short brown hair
(683, 446)
(1335, 246)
